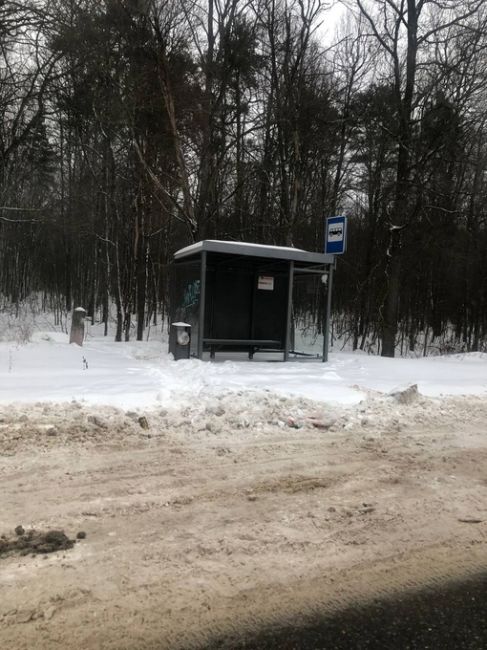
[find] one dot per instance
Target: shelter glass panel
(309, 298)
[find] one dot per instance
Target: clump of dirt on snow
(34, 542)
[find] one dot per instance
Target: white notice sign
(265, 282)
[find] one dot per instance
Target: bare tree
(404, 29)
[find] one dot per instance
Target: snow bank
(142, 374)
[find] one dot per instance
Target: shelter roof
(253, 250)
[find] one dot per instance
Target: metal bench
(252, 345)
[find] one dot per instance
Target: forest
(131, 128)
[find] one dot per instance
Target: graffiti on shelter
(191, 294)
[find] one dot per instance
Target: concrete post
(78, 326)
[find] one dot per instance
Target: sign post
(335, 244)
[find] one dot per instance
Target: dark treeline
(130, 128)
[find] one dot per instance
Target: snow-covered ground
(142, 374)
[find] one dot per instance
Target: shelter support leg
(326, 333)
(289, 311)
(201, 328)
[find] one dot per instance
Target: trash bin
(180, 340)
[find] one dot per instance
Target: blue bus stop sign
(336, 235)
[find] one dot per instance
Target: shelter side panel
(184, 297)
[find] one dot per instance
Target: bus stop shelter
(238, 296)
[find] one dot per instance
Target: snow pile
(226, 418)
